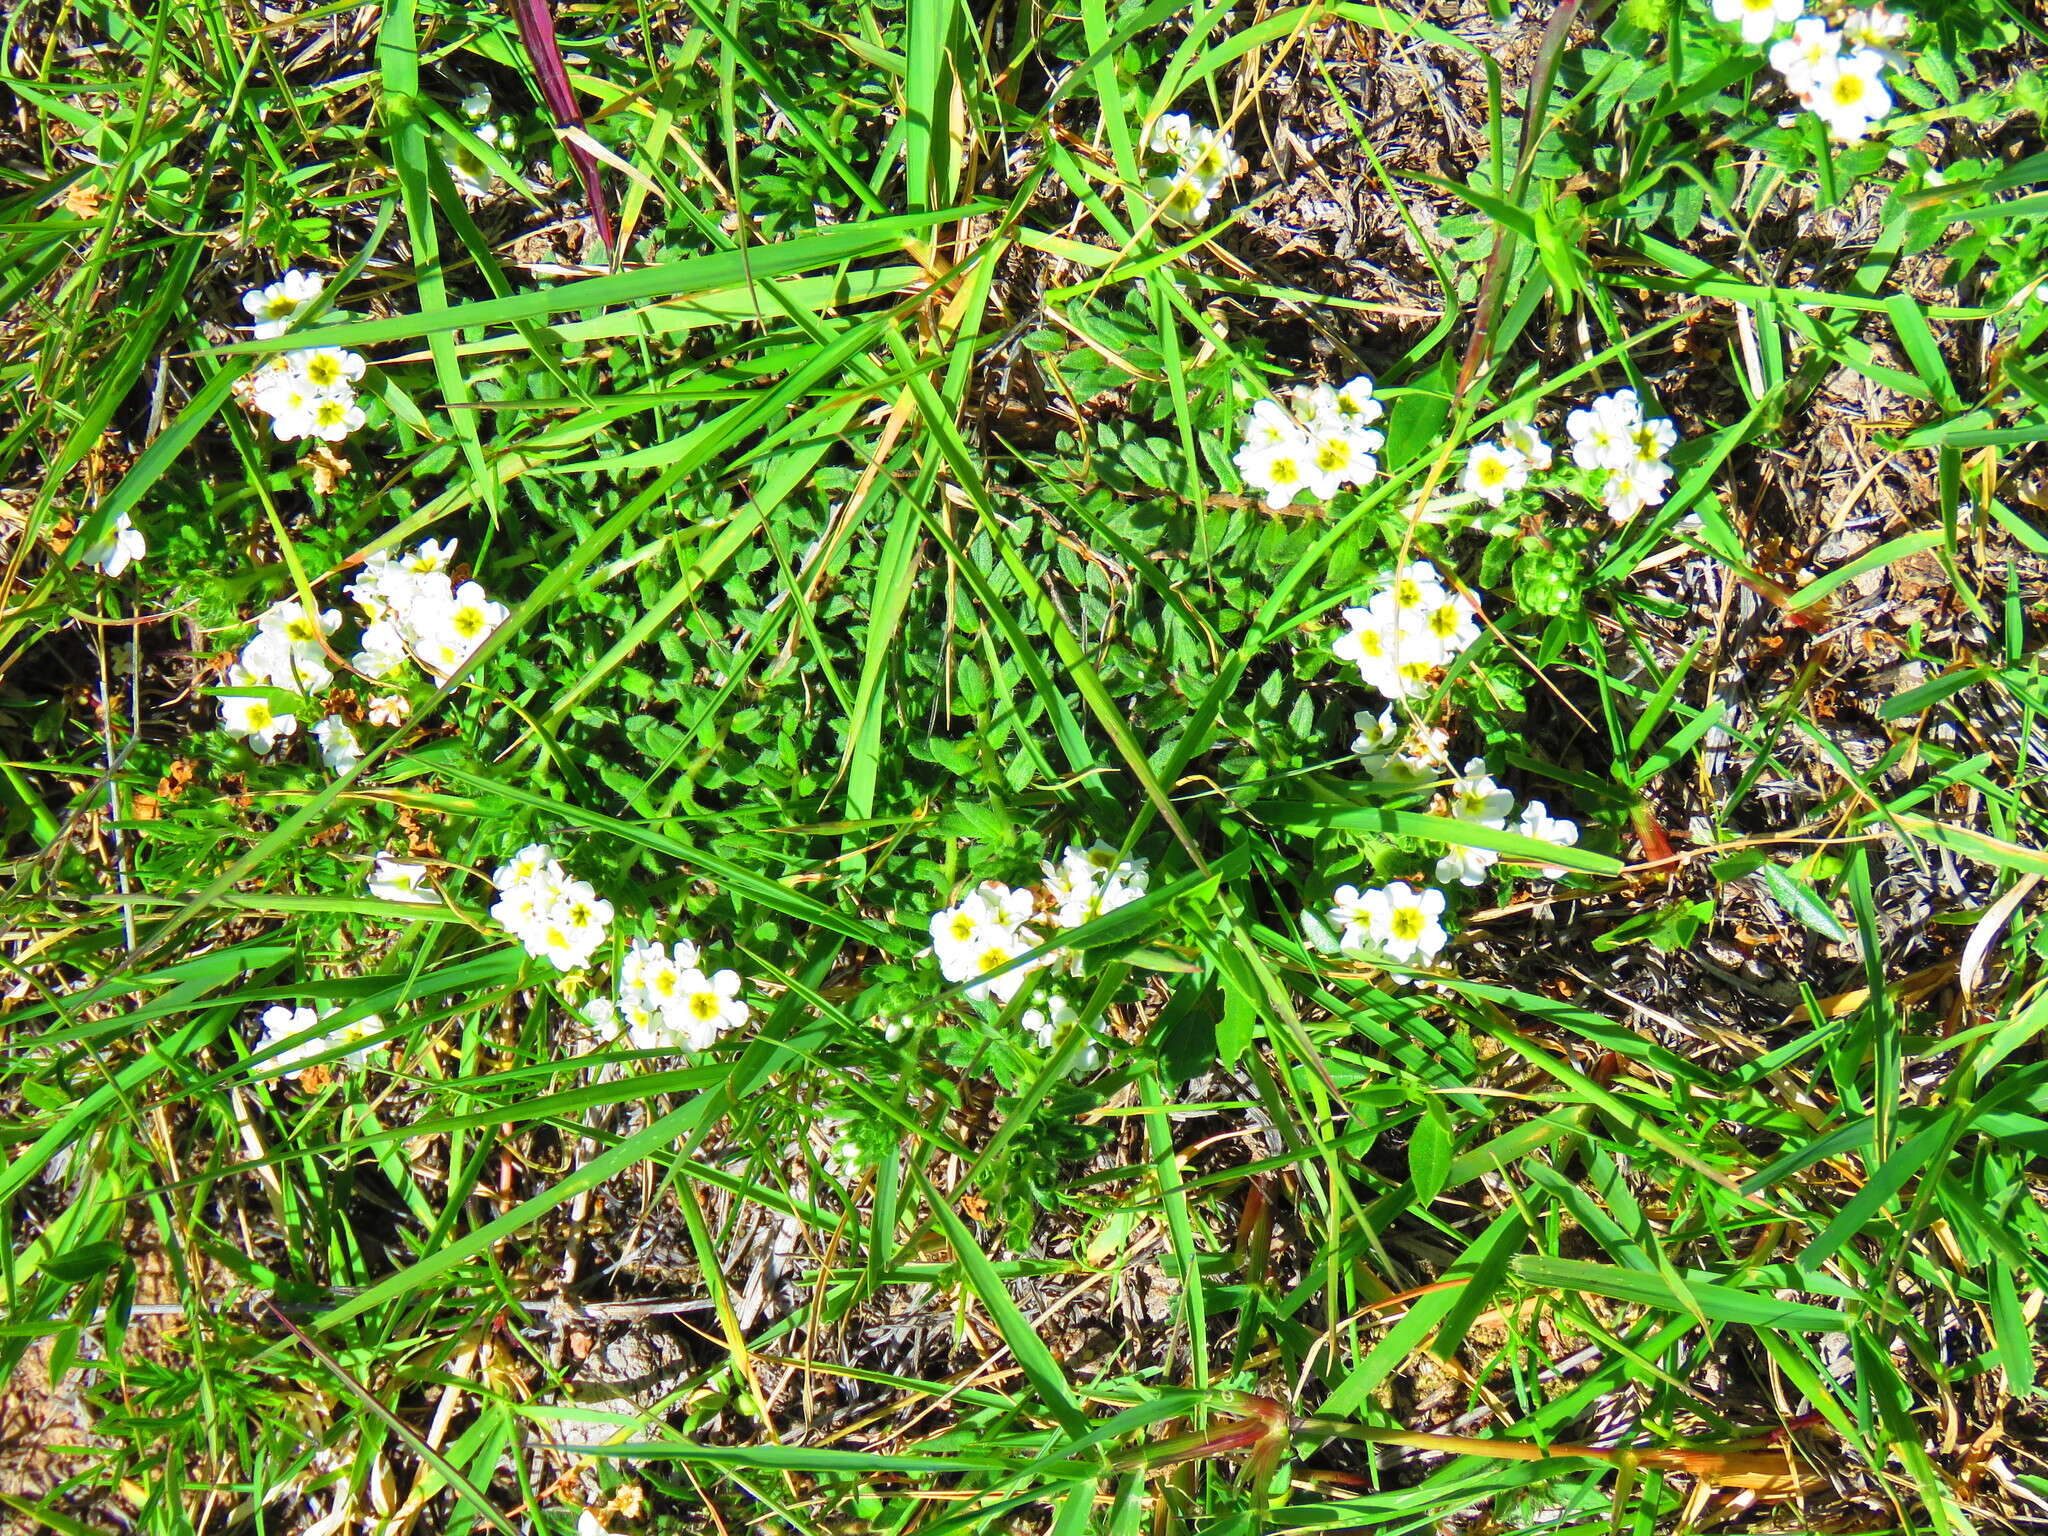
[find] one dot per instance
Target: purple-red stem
(536, 22)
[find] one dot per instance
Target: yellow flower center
(1407, 923)
(703, 1006)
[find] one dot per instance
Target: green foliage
(877, 529)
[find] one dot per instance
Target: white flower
(1477, 799)
(1320, 446)
(289, 647)
(1212, 158)
(1757, 18)
(476, 101)
(326, 370)
(709, 1006)
(1453, 622)
(1408, 631)
(118, 547)
(1492, 471)
(567, 929)
(333, 417)
(1268, 426)
(1278, 473)
(466, 168)
(1173, 135)
(990, 912)
(1201, 161)
(1813, 47)
(1603, 433)
(1180, 198)
(1088, 882)
(1874, 28)
(389, 708)
(250, 716)
(1628, 491)
(1848, 96)
(433, 557)
(381, 650)
(277, 306)
(448, 634)
(1399, 659)
(339, 749)
(1377, 738)
(1523, 438)
(1045, 1025)
(288, 400)
(653, 980)
(1342, 457)
(391, 880)
(536, 861)
(989, 957)
(1398, 753)
(1350, 917)
(1403, 922)
(1537, 822)
(1465, 866)
(1651, 439)
(532, 886)
(1356, 403)
(281, 1024)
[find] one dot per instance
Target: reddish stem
(536, 22)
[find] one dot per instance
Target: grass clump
(829, 768)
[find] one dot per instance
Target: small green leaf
(1670, 929)
(1804, 903)
(1429, 1153)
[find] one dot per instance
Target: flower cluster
(301, 1026)
(1408, 632)
(667, 1000)
(415, 609)
(288, 654)
(1475, 799)
(1320, 441)
(1396, 922)
(1493, 469)
(412, 611)
(1625, 450)
(1196, 161)
(557, 917)
(1834, 72)
(307, 392)
(995, 924)
(1394, 751)
(466, 168)
(310, 392)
